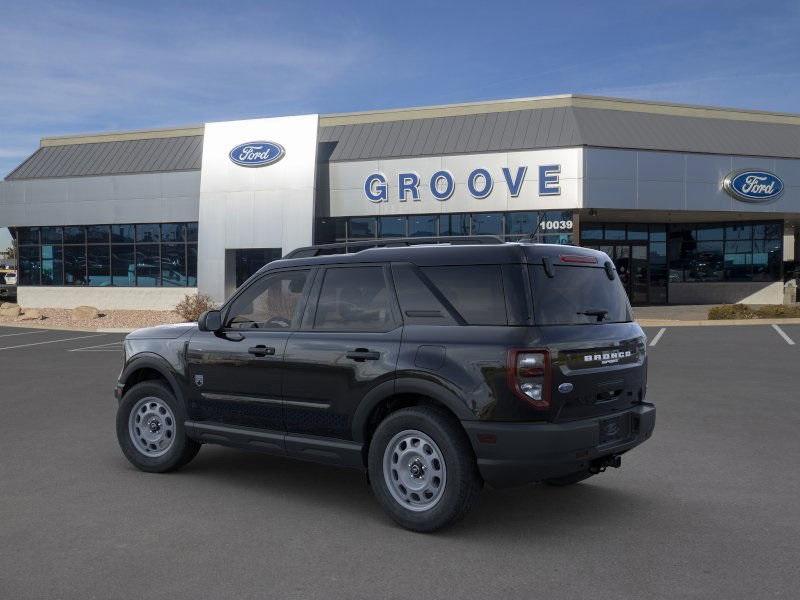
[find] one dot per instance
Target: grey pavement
(708, 508)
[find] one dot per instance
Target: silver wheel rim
(151, 426)
(414, 470)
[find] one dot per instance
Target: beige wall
(104, 298)
(726, 292)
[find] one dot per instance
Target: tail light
(529, 376)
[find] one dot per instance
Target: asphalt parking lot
(708, 508)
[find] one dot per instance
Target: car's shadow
(539, 509)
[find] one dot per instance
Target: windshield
(578, 296)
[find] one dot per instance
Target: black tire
(570, 479)
(463, 482)
(182, 449)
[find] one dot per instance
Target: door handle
(362, 354)
(261, 350)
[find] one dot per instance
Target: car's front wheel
(422, 469)
(150, 429)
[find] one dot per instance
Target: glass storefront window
(106, 255)
(51, 235)
(457, 224)
(75, 265)
(521, 223)
(122, 234)
(361, 228)
(148, 265)
(74, 235)
(52, 265)
(27, 235)
(98, 259)
(173, 232)
(123, 266)
(614, 231)
(97, 234)
(637, 232)
(148, 233)
(487, 224)
(173, 265)
(391, 227)
(422, 225)
(591, 231)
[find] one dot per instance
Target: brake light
(529, 376)
(578, 258)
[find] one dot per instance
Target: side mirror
(211, 320)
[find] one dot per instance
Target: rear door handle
(261, 350)
(362, 354)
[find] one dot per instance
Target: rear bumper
(517, 453)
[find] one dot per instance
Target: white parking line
(98, 348)
(24, 333)
(83, 337)
(658, 336)
(782, 333)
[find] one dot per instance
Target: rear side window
(475, 291)
(354, 299)
(577, 296)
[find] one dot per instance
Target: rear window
(577, 296)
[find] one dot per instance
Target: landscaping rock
(84, 313)
(8, 304)
(11, 311)
(31, 315)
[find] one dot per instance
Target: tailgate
(597, 376)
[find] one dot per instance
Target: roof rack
(358, 246)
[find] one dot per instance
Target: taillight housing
(529, 376)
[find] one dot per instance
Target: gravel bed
(109, 319)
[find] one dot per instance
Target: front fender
(156, 362)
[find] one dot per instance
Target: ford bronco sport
(435, 369)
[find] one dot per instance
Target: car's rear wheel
(150, 429)
(422, 469)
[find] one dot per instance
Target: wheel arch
(394, 395)
(150, 367)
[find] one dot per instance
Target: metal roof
(560, 127)
(182, 153)
(504, 125)
(489, 132)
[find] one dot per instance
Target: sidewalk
(694, 315)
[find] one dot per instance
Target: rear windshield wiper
(598, 312)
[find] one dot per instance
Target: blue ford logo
(257, 154)
(753, 186)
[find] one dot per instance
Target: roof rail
(359, 245)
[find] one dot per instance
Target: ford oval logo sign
(753, 186)
(257, 154)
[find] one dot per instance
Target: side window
(419, 305)
(476, 292)
(354, 299)
(272, 302)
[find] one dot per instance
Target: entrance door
(631, 262)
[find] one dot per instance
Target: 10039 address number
(556, 225)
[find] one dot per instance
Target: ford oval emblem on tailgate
(565, 388)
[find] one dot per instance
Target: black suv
(432, 368)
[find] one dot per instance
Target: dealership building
(694, 204)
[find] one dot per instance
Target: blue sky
(74, 67)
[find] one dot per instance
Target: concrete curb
(721, 323)
(44, 325)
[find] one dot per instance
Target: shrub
(779, 311)
(731, 311)
(747, 311)
(194, 305)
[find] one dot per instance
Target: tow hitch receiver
(601, 464)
